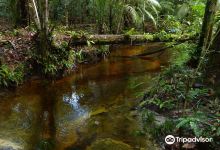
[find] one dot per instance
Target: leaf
(195, 128)
(132, 12)
(218, 131)
(151, 17)
(143, 103)
(183, 122)
(154, 3)
(183, 10)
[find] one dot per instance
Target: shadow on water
(44, 134)
(78, 112)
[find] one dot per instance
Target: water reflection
(73, 101)
(75, 111)
(44, 137)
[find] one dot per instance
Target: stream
(93, 109)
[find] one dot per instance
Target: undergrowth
(55, 63)
(180, 94)
(11, 77)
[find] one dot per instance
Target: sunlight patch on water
(73, 101)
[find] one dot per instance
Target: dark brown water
(97, 102)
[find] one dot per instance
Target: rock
(99, 111)
(134, 113)
(97, 123)
(109, 144)
(189, 146)
(198, 85)
(159, 120)
(7, 148)
(8, 145)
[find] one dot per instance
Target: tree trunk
(206, 37)
(44, 33)
(23, 13)
(36, 12)
(20, 12)
(216, 41)
(66, 15)
(207, 27)
(110, 18)
(42, 21)
(46, 17)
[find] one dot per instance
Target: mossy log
(124, 39)
(108, 39)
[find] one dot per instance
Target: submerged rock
(8, 145)
(109, 144)
(99, 111)
(7, 148)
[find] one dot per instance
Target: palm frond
(133, 13)
(151, 17)
(154, 3)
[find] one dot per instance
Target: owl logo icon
(170, 139)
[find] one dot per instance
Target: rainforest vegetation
(50, 40)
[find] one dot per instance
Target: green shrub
(156, 129)
(57, 60)
(198, 111)
(11, 77)
(201, 124)
(182, 53)
(171, 24)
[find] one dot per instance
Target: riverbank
(187, 100)
(20, 59)
(17, 52)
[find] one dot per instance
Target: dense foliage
(113, 16)
(181, 91)
(191, 107)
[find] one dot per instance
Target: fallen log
(108, 39)
(124, 39)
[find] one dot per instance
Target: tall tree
(22, 6)
(41, 10)
(206, 36)
(207, 27)
(19, 12)
(216, 41)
